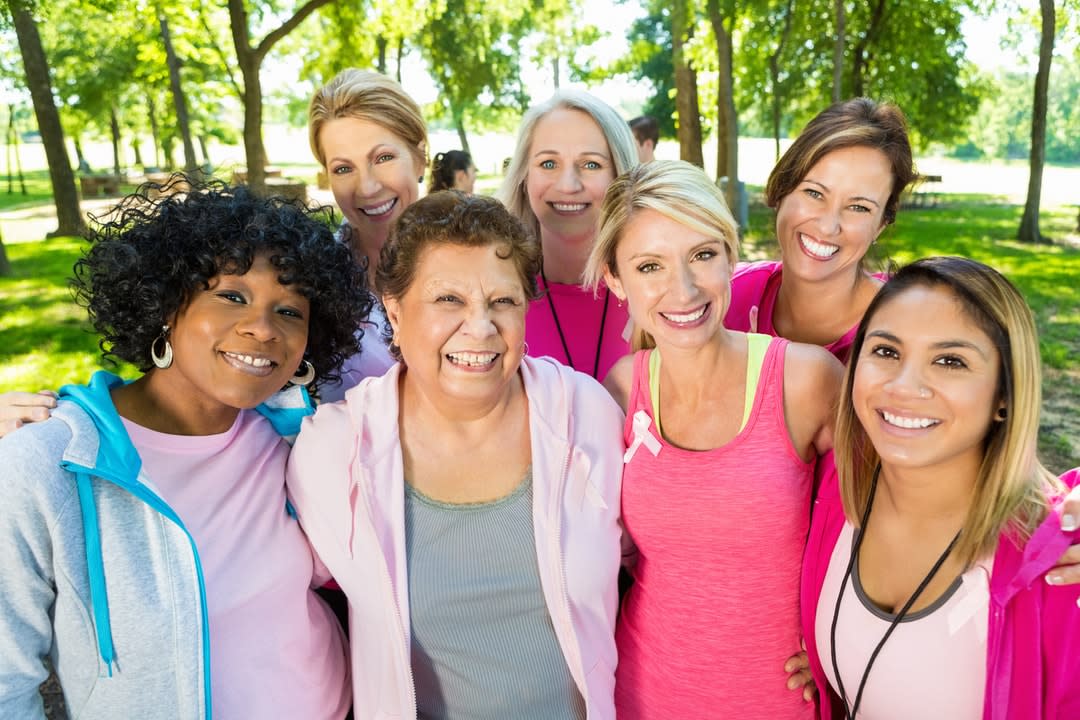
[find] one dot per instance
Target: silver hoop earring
(162, 359)
(305, 377)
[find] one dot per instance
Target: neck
(565, 256)
(688, 372)
(442, 416)
(821, 312)
(151, 403)
(939, 494)
(366, 250)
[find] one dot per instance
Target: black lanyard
(562, 337)
(850, 714)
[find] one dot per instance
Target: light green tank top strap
(756, 346)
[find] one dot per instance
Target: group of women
(475, 497)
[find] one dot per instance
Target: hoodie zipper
(142, 493)
(564, 594)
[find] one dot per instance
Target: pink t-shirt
(581, 317)
(276, 650)
(755, 285)
(713, 613)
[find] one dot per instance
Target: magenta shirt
(580, 315)
(755, 285)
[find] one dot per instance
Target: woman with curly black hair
(149, 546)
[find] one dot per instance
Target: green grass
(46, 340)
(38, 190)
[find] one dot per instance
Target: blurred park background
(99, 95)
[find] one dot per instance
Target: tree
(179, 99)
(36, 67)
(1029, 223)
(727, 119)
(686, 92)
(250, 60)
(838, 51)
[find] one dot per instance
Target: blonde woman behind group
(722, 431)
(371, 140)
(569, 149)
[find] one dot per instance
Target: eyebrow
(711, 244)
(556, 152)
(942, 345)
(862, 198)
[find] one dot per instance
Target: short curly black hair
(157, 249)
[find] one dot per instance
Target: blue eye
(547, 164)
(810, 192)
(593, 165)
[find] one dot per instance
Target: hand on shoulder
(18, 408)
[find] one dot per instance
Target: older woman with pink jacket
(467, 502)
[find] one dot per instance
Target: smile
(250, 363)
(569, 207)
(472, 359)
(686, 318)
(817, 249)
(908, 423)
(379, 210)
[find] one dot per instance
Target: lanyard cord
(562, 337)
(850, 714)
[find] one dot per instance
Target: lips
(687, 317)
(472, 360)
(380, 210)
(816, 249)
(907, 423)
(568, 208)
(251, 364)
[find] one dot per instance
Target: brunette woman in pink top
(722, 431)
(569, 149)
(835, 191)
(922, 593)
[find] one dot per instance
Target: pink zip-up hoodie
(1033, 643)
(345, 478)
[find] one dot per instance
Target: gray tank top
(483, 645)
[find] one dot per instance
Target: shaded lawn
(46, 341)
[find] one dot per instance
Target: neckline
(559, 329)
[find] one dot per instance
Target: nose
(369, 184)
(829, 220)
(685, 284)
(478, 321)
(569, 180)
(259, 324)
(908, 382)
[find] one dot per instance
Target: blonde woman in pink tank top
(722, 432)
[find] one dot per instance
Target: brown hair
(1012, 488)
(455, 218)
(861, 122)
(370, 96)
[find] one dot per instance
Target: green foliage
(649, 59)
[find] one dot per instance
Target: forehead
(865, 168)
(466, 266)
(649, 231)
(567, 130)
(355, 135)
(907, 314)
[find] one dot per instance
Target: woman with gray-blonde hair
(569, 149)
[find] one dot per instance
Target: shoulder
(31, 458)
(620, 379)
(806, 366)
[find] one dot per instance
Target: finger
(48, 393)
(42, 398)
(809, 692)
(7, 426)
(799, 679)
(1070, 513)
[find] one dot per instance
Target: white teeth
(473, 359)
(817, 249)
(689, 317)
(250, 360)
(380, 209)
(906, 422)
(569, 207)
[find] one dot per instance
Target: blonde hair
(370, 96)
(677, 190)
(620, 142)
(1012, 489)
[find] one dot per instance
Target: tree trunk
(400, 57)
(727, 120)
(114, 130)
(459, 125)
(555, 70)
(155, 133)
(179, 99)
(380, 48)
(686, 96)
(1029, 223)
(774, 75)
(860, 53)
(5, 265)
(250, 60)
(80, 157)
(203, 145)
(838, 51)
(136, 150)
(36, 66)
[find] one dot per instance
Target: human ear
(614, 284)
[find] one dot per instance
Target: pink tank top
(713, 613)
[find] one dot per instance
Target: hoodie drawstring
(99, 596)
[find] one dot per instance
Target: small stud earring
(1001, 415)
